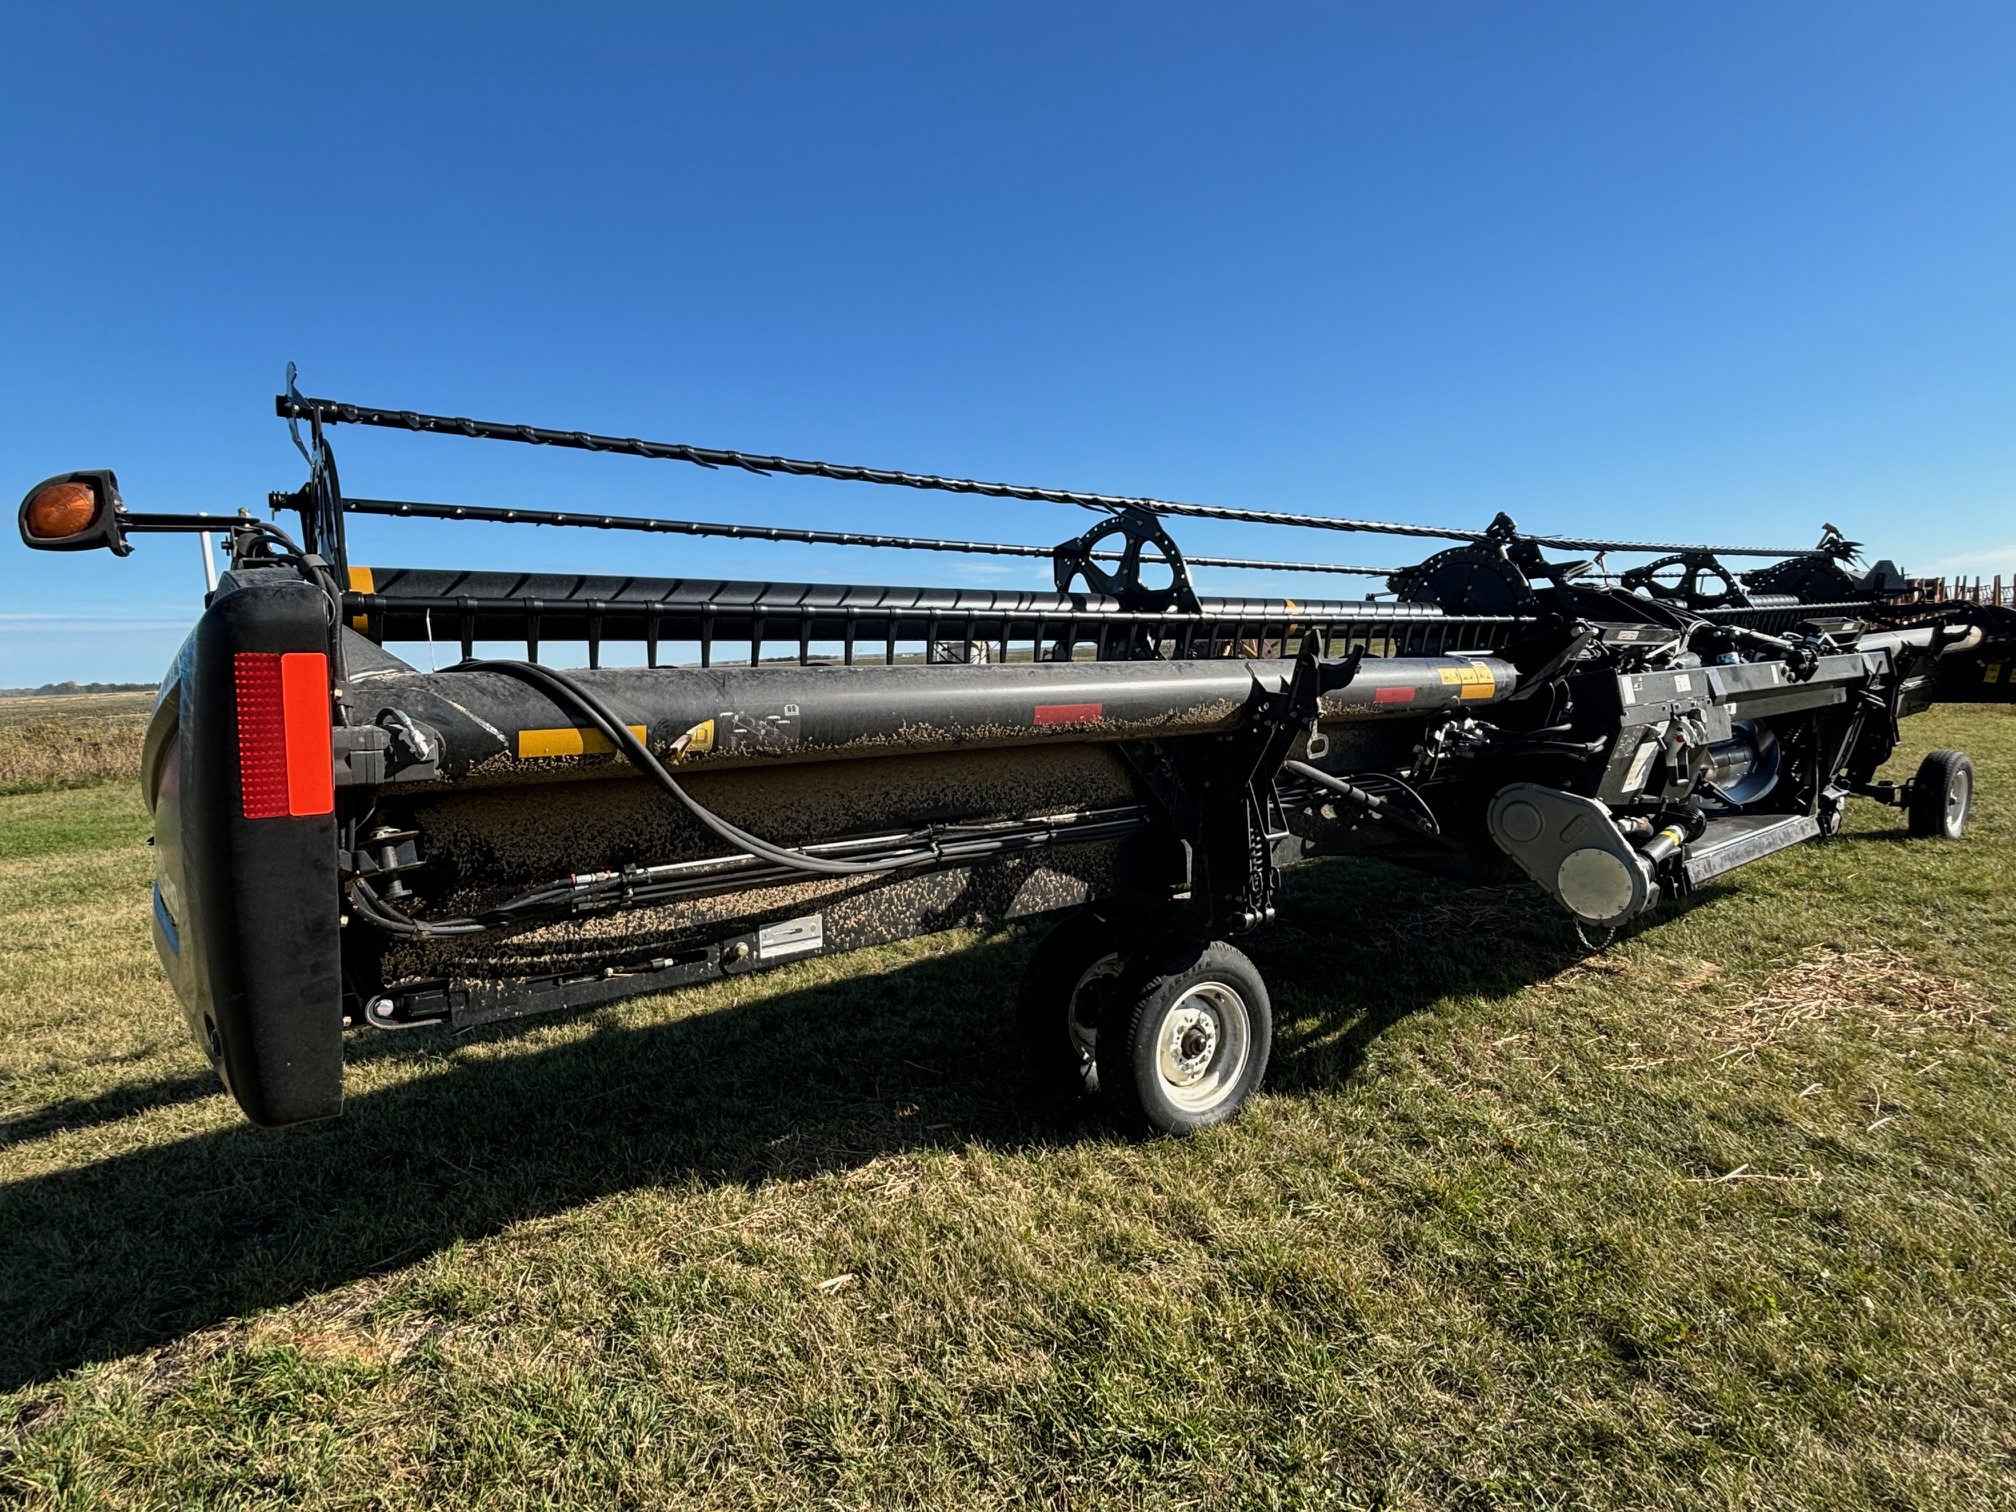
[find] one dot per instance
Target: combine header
(343, 840)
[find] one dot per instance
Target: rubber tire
(1930, 791)
(1053, 1065)
(1129, 1078)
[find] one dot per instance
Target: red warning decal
(1392, 695)
(1047, 714)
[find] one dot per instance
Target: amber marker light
(75, 511)
(57, 511)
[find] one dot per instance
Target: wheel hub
(1190, 1037)
(1202, 1046)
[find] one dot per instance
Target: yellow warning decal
(361, 582)
(567, 742)
(1994, 671)
(1475, 680)
(696, 741)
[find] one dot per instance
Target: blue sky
(1716, 271)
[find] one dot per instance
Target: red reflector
(1067, 713)
(311, 769)
(284, 763)
(1392, 695)
(262, 736)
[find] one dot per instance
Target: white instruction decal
(1641, 763)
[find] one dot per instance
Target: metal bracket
(1693, 567)
(1218, 795)
(1073, 559)
(320, 499)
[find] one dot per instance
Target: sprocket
(1466, 580)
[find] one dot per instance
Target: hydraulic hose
(1372, 804)
(568, 693)
(559, 900)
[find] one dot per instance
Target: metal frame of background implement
(343, 840)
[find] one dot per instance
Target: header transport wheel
(1942, 794)
(1189, 1045)
(1076, 968)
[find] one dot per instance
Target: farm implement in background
(345, 841)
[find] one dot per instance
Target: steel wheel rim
(1084, 1031)
(1202, 1044)
(1959, 795)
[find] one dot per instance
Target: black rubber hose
(563, 690)
(1373, 805)
(564, 900)
(375, 911)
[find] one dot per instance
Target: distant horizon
(70, 687)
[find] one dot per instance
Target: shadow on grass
(135, 1250)
(1898, 836)
(109, 1106)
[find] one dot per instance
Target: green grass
(1720, 1218)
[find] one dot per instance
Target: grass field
(1722, 1217)
(71, 740)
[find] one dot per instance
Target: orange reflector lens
(59, 510)
(285, 768)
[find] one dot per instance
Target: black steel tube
(154, 522)
(570, 696)
(334, 412)
(650, 525)
(496, 729)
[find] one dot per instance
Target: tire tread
(1157, 979)
(1926, 814)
